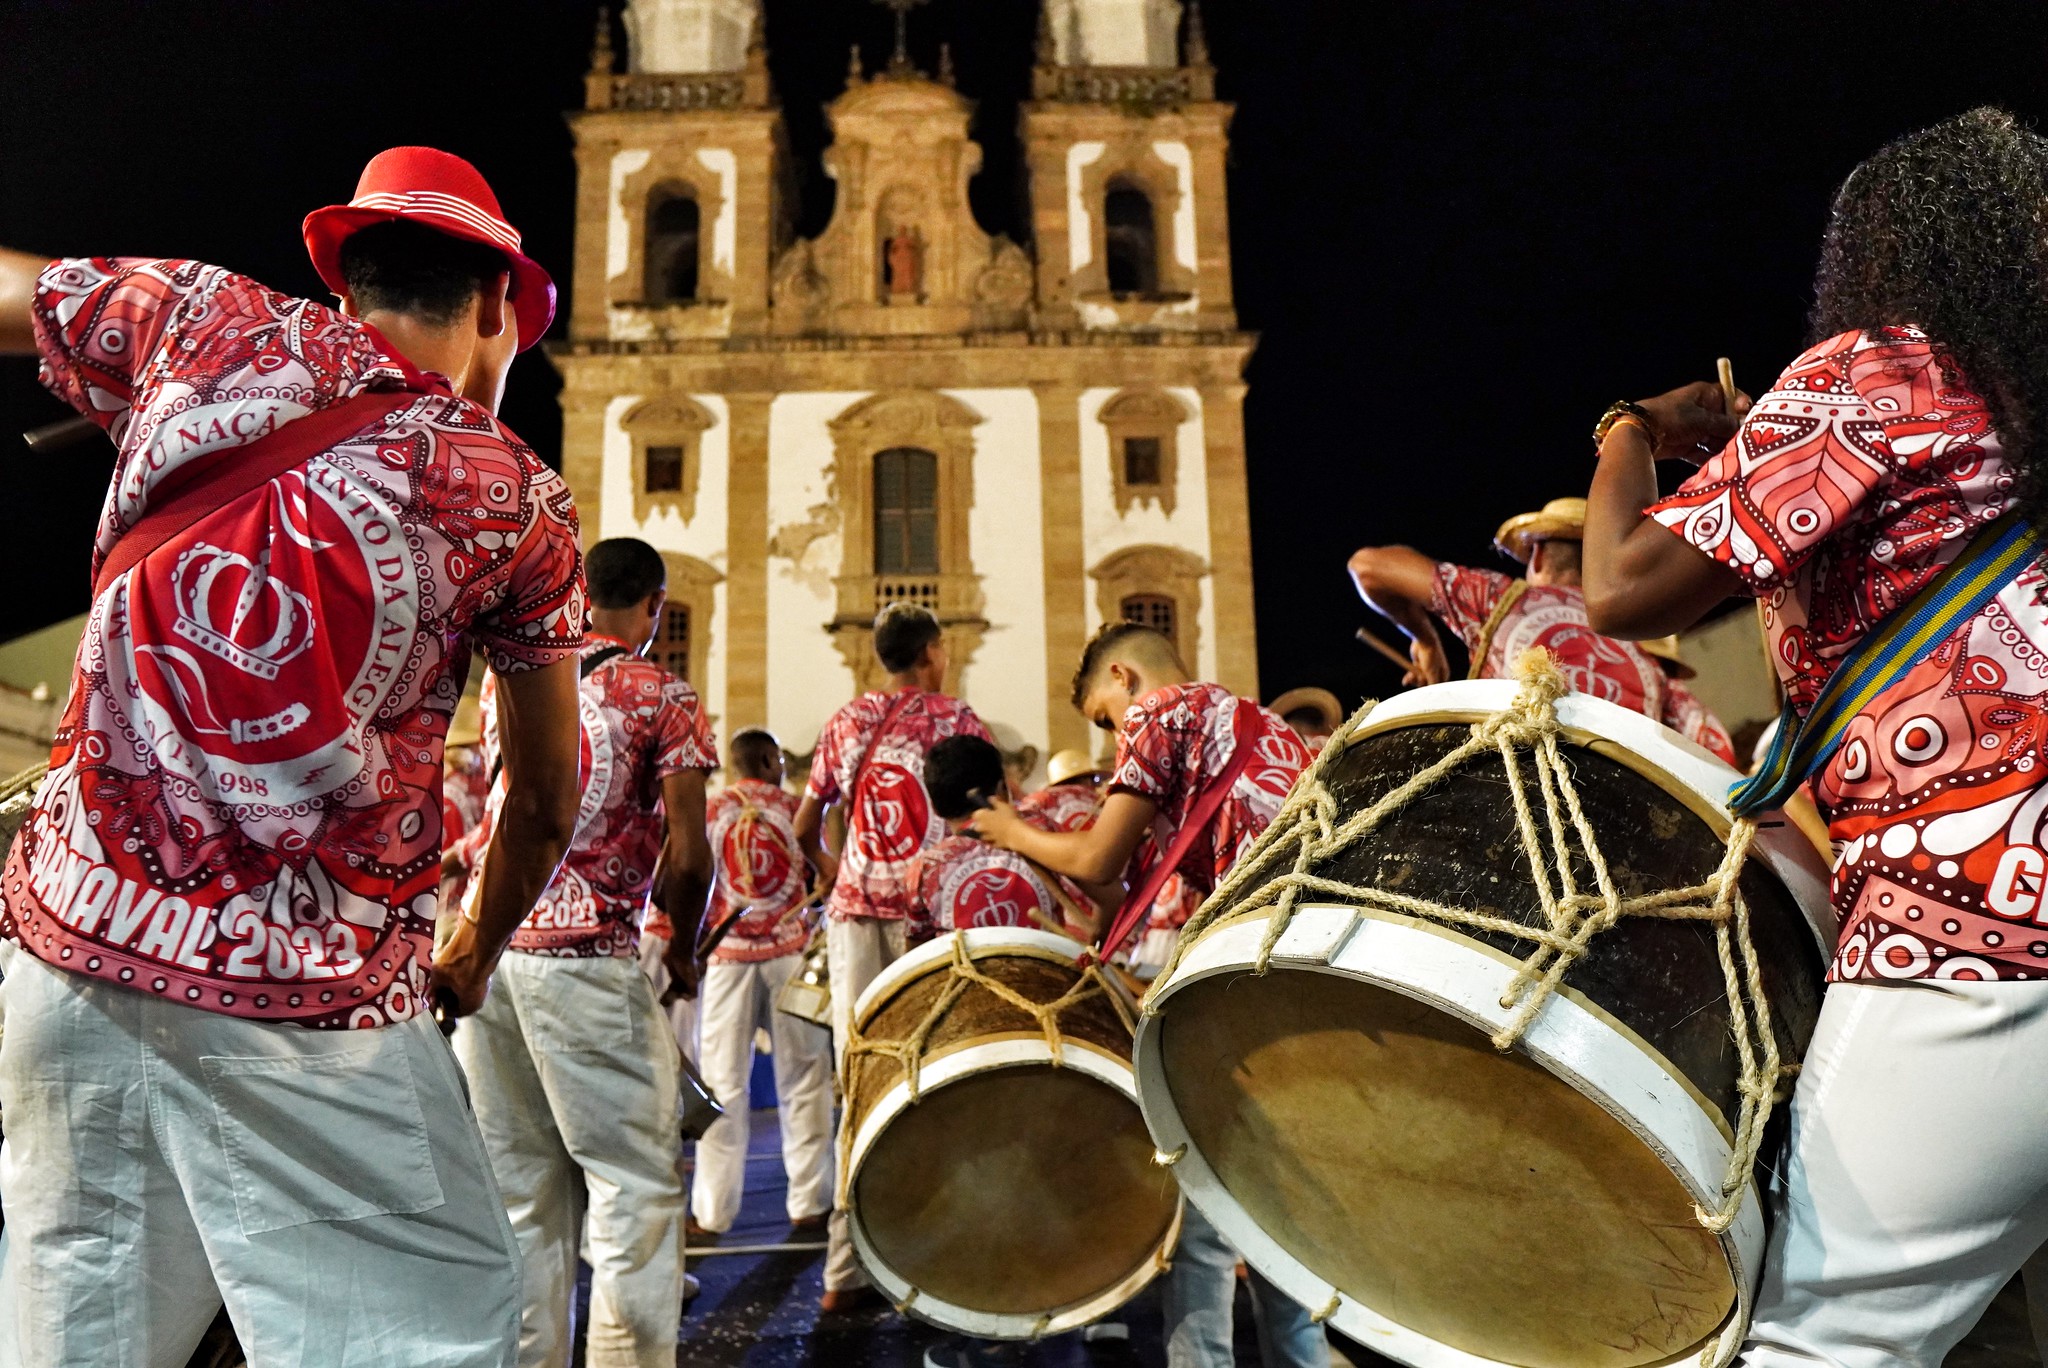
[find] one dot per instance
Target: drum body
(1347, 1123)
(1015, 1194)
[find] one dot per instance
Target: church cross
(899, 64)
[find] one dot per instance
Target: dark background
(1462, 228)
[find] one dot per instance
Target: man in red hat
(220, 1075)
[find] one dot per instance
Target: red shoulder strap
(179, 504)
(860, 770)
(1244, 730)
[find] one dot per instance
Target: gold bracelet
(1619, 411)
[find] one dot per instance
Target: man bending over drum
(1178, 756)
(1499, 618)
(1917, 1182)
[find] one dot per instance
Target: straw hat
(1664, 650)
(1558, 520)
(1320, 701)
(1070, 764)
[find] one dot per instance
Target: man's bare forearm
(18, 274)
(526, 848)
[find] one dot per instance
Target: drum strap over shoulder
(1995, 557)
(1244, 728)
(1482, 645)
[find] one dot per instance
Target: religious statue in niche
(902, 265)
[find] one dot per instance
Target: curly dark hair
(1946, 229)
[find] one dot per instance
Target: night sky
(1461, 228)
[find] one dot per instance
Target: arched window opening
(672, 226)
(1151, 610)
(664, 470)
(906, 512)
(672, 647)
(1130, 241)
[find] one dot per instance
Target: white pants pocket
(330, 1136)
(580, 1006)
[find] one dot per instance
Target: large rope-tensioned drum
(1349, 1119)
(999, 1179)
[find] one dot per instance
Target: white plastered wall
(1104, 530)
(807, 679)
(703, 536)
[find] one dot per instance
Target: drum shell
(1646, 982)
(987, 1056)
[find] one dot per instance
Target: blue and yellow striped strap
(1995, 557)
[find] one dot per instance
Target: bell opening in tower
(1130, 241)
(672, 247)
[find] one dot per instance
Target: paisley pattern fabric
(1864, 471)
(963, 882)
(243, 812)
(1061, 807)
(639, 725)
(1171, 743)
(1552, 616)
(890, 819)
(760, 868)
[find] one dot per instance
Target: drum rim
(970, 1059)
(937, 953)
(1326, 932)
(1673, 762)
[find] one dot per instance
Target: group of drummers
(220, 1074)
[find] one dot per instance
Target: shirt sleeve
(824, 780)
(537, 617)
(1803, 465)
(99, 321)
(1149, 760)
(683, 740)
(1464, 598)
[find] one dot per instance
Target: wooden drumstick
(1398, 657)
(1727, 373)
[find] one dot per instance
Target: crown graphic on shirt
(233, 608)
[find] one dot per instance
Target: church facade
(1030, 438)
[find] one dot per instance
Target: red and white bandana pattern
(640, 724)
(1865, 470)
(761, 868)
(1172, 742)
(464, 788)
(890, 820)
(1552, 616)
(243, 812)
(964, 882)
(1690, 718)
(1061, 807)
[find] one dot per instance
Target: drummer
(1916, 1183)
(1176, 743)
(1498, 618)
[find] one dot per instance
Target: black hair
(753, 751)
(1946, 229)
(408, 268)
(902, 631)
(958, 765)
(622, 572)
(1119, 638)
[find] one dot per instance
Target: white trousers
(1918, 1176)
(857, 950)
(736, 999)
(575, 1073)
(330, 1185)
(682, 1013)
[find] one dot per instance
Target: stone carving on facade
(1002, 290)
(800, 291)
(670, 423)
(1147, 416)
(1170, 572)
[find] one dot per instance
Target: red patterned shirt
(1173, 741)
(640, 724)
(890, 819)
(760, 868)
(243, 812)
(1865, 470)
(1690, 718)
(1062, 807)
(963, 882)
(1552, 616)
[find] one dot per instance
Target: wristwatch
(1624, 411)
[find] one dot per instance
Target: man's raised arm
(18, 273)
(538, 736)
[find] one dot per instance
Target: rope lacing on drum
(962, 974)
(1308, 827)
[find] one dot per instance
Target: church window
(906, 484)
(664, 470)
(1130, 240)
(1141, 461)
(1151, 610)
(672, 646)
(672, 247)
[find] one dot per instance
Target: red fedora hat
(440, 191)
